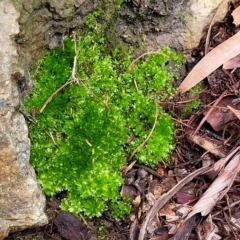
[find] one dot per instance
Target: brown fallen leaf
(173, 212)
(183, 197)
(214, 59)
(215, 192)
(165, 197)
(218, 188)
(236, 16)
(209, 144)
(232, 63)
(235, 111)
(183, 233)
(218, 166)
(220, 116)
(207, 230)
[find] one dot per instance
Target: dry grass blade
(219, 55)
(218, 188)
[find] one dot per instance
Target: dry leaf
(220, 116)
(236, 16)
(232, 63)
(214, 59)
(218, 188)
(207, 230)
(174, 212)
(137, 201)
(235, 111)
(160, 202)
(218, 166)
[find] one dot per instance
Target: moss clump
(82, 138)
(195, 103)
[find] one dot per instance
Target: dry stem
(72, 79)
(149, 135)
(144, 54)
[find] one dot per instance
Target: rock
(177, 24)
(42, 20)
(21, 199)
(198, 15)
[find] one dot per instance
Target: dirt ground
(147, 184)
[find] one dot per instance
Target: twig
(51, 136)
(226, 208)
(184, 124)
(135, 84)
(148, 170)
(128, 168)
(74, 69)
(144, 54)
(211, 24)
(72, 79)
(235, 235)
(149, 135)
(57, 91)
(208, 113)
(165, 198)
(89, 91)
(67, 83)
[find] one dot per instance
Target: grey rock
(21, 199)
(197, 16)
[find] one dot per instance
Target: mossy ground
(82, 137)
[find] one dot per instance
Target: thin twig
(226, 208)
(211, 24)
(149, 135)
(144, 54)
(51, 136)
(57, 91)
(135, 84)
(184, 124)
(90, 92)
(208, 113)
(235, 235)
(148, 170)
(72, 79)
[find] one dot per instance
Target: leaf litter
(213, 132)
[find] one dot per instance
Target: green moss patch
(90, 128)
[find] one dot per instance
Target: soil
(145, 185)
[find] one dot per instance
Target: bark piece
(70, 227)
